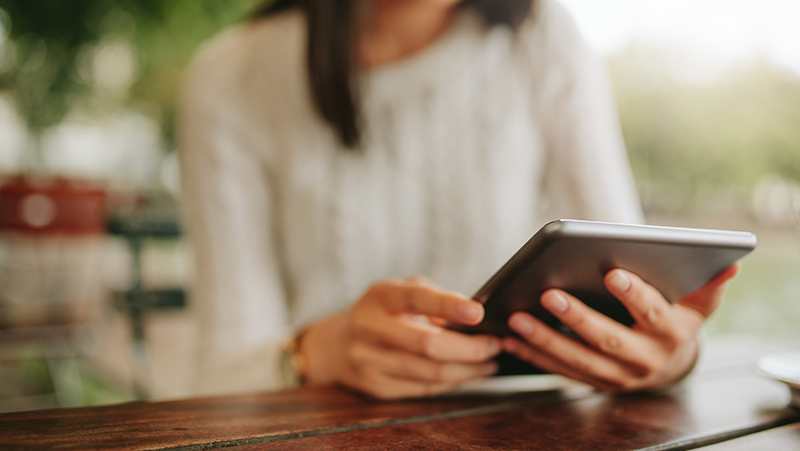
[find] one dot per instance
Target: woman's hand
(390, 344)
(659, 349)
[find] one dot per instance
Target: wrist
(694, 356)
(685, 364)
(320, 349)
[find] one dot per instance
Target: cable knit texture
(469, 147)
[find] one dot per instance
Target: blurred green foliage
(49, 38)
(695, 143)
(691, 143)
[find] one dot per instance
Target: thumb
(708, 298)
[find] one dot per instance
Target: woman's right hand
(391, 343)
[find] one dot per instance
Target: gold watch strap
(293, 364)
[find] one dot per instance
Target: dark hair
(331, 48)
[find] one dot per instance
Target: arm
(389, 344)
(587, 171)
(237, 295)
(588, 177)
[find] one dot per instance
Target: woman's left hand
(659, 349)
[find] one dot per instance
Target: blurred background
(93, 304)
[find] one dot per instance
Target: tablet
(575, 256)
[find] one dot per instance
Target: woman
(335, 150)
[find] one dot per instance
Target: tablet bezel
(675, 260)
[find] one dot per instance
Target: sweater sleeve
(237, 296)
(587, 172)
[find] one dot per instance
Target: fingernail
(522, 325)
(619, 281)
(555, 302)
(490, 369)
(470, 311)
(494, 347)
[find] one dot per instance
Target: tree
(56, 49)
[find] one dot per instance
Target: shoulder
(253, 57)
(550, 33)
(553, 19)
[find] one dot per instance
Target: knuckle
(359, 319)
(610, 343)
(364, 327)
(528, 354)
(488, 348)
(426, 300)
(409, 298)
(656, 366)
(647, 368)
(477, 352)
(360, 372)
(429, 344)
(437, 372)
(359, 365)
(376, 291)
(371, 293)
(542, 340)
(637, 300)
(372, 297)
(581, 364)
(353, 353)
(678, 338)
(577, 319)
(654, 313)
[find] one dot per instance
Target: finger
(426, 339)
(421, 281)
(545, 362)
(645, 304)
(706, 299)
(411, 366)
(599, 331)
(386, 387)
(425, 300)
(436, 321)
(576, 356)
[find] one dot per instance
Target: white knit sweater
(470, 146)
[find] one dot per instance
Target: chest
(446, 185)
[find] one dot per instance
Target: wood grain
(225, 419)
(705, 409)
(719, 404)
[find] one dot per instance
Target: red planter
(55, 207)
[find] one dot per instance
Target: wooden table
(723, 406)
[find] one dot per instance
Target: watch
(293, 363)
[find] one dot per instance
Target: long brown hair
(331, 48)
